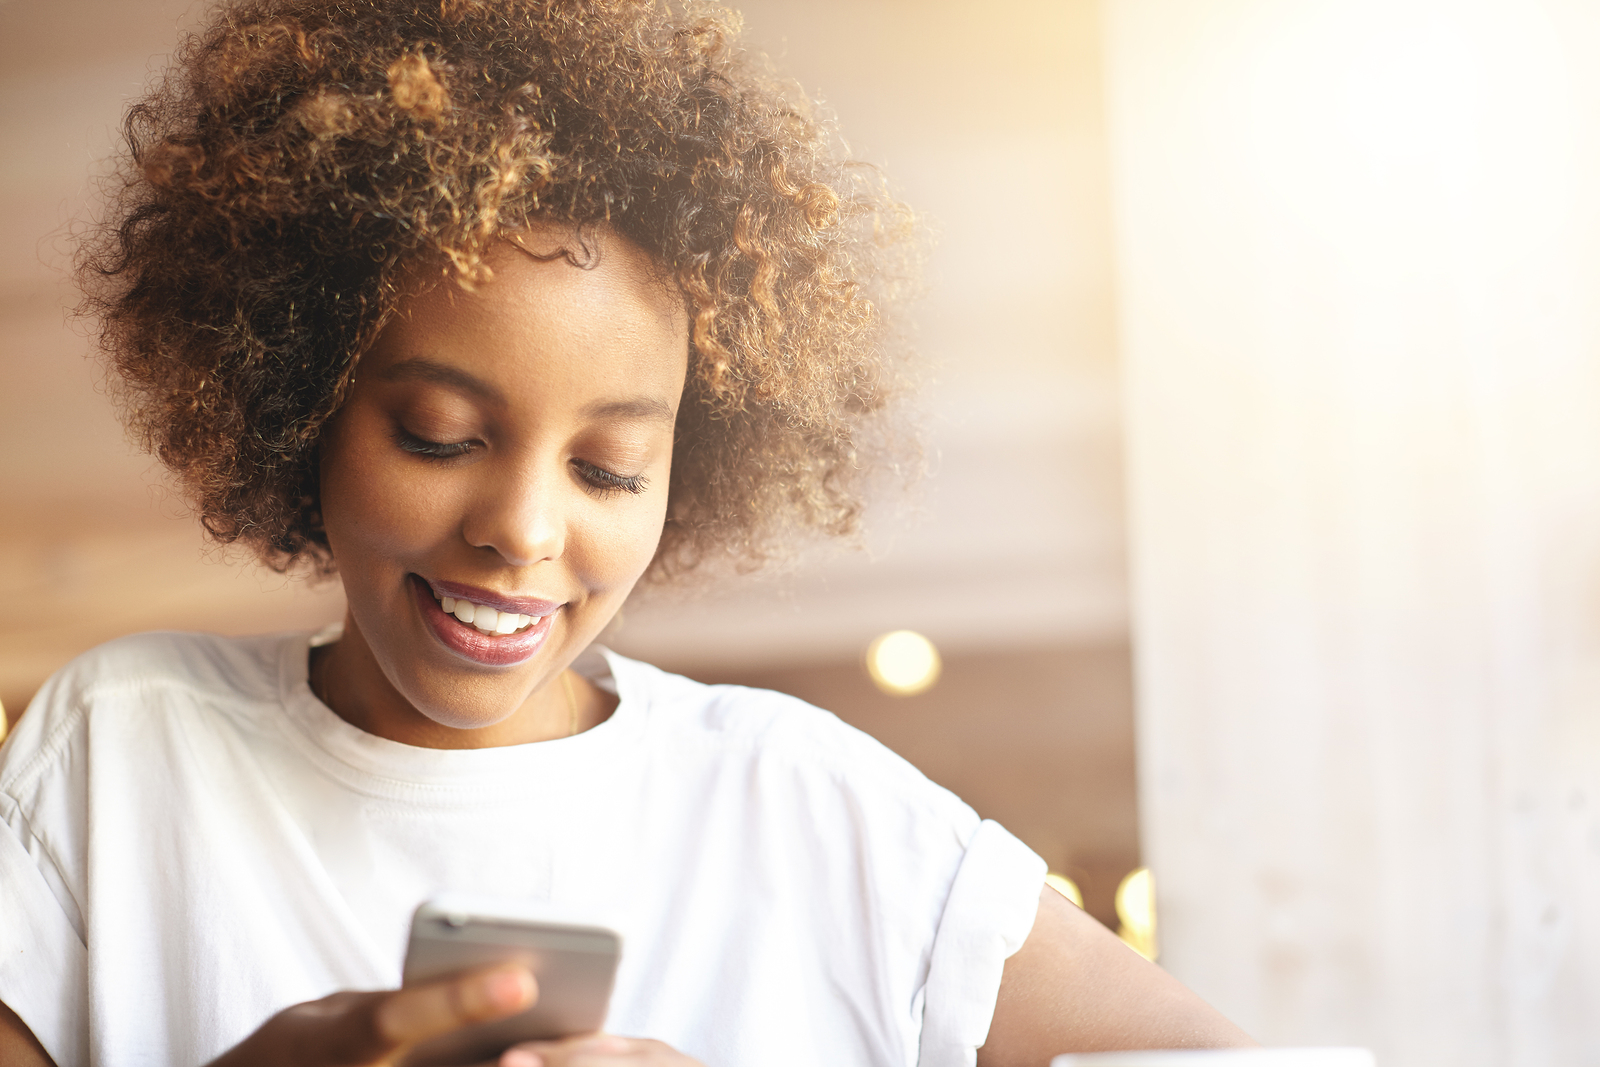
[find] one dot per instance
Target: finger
(408, 1016)
(572, 1050)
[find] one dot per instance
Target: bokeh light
(903, 663)
(1136, 909)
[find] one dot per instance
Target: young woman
(492, 307)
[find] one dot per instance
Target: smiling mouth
(485, 619)
(488, 631)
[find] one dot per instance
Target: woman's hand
(377, 1029)
(596, 1050)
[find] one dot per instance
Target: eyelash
(601, 482)
(432, 449)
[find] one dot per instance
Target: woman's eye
(437, 449)
(603, 482)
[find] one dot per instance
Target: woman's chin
(463, 721)
(465, 716)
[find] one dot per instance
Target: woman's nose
(521, 517)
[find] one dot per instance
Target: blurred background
(1261, 542)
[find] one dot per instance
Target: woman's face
(507, 449)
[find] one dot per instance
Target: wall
(1359, 247)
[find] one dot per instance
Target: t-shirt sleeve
(987, 916)
(43, 961)
(42, 958)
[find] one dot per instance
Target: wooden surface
(1360, 252)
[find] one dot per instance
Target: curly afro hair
(302, 155)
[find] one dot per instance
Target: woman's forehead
(605, 314)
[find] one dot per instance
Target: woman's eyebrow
(640, 407)
(426, 370)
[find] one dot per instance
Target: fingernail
(521, 1057)
(509, 988)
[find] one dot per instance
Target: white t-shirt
(191, 841)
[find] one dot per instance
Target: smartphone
(574, 962)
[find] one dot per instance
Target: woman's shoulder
(738, 715)
(126, 683)
(198, 663)
(777, 733)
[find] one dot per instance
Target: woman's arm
(1075, 987)
(18, 1046)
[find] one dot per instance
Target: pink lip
(523, 605)
(501, 650)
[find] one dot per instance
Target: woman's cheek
(409, 506)
(622, 544)
(374, 500)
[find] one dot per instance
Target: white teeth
(487, 620)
